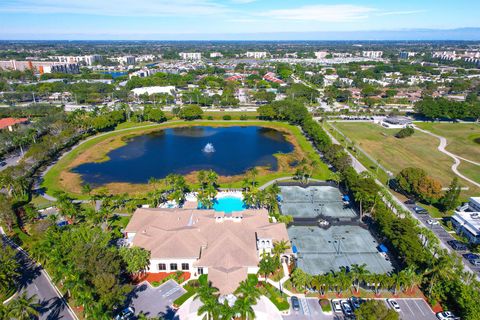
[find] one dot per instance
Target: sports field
(419, 150)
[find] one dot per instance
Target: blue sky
(144, 19)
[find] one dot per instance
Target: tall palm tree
(23, 307)
(243, 309)
(410, 278)
(359, 272)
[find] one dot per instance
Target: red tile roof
(7, 122)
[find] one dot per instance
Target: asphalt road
(414, 309)
(34, 281)
(155, 302)
(309, 309)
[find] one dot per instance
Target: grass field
(460, 136)
(419, 150)
(59, 176)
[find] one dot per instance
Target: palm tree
(358, 273)
(343, 280)
(280, 247)
(243, 309)
(410, 278)
(252, 173)
(23, 308)
(248, 290)
(212, 178)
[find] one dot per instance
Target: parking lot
(410, 309)
(155, 302)
(444, 236)
(415, 309)
(309, 309)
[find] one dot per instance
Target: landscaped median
(60, 177)
(278, 299)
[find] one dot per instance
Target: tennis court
(320, 251)
(314, 202)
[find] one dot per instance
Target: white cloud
(115, 7)
(243, 1)
(394, 13)
(322, 13)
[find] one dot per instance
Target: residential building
(372, 54)
(271, 77)
(190, 55)
(321, 54)
(88, 60)
(466, 220)
(227, 247)
(216, 55)
(40, 66)
(256, 54)
(406, 55)
(153, 90)
(11, 123)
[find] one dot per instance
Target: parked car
(126, 314)
(410, 201)
(420, 210)
(347, 309)
(447, 315)
(432, 222)
(471, 256)
(457, 245)
(336, 306)
(394, 304)
(295, 304)
(355, 302)
(475, 262)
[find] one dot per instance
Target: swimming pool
(229, 204)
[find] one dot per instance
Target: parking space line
(419, 307)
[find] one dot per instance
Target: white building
(191, 55)
(88, 60)
(466, 220)
(372, 54)
(321, 54)
(151, 90)
(216, 55)
(256, 54)
(406, 54)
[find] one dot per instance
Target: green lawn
(52, 179)
(419, 150)
(460, 136)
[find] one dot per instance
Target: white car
(432, 222)
(446, 315)
(394, 304)
(336, 306)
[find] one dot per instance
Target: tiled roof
(7, 122)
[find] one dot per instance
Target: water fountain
(208, 148)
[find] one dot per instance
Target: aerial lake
(227, 150)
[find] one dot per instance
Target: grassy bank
(96, 149)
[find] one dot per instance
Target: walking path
(269, 183)
(457, 159)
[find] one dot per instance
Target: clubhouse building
(227, 247)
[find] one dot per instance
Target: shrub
(404, 133)
(325, 305)
(210, 117)
(243, 117)
(227, 117)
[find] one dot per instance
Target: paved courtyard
(315, 201)
(155, 302)
(321, 251)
